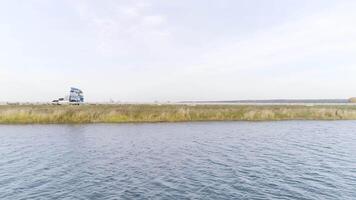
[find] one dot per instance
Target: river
(202, 160)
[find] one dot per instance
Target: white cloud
(325, 34)
(123, 28)
(153, 20)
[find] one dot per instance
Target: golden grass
(47, 114)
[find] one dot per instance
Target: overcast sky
(172, 50)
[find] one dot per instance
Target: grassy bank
(28, 114)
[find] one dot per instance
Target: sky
(177, 50)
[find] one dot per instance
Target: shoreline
(152, 113)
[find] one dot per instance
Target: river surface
(218, 160)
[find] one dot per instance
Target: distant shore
(129, 113)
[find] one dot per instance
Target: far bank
(124, 113)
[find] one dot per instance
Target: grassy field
(48, 114)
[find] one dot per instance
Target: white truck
(75, 97)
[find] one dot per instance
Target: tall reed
(47, 114)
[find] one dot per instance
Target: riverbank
(50, 114)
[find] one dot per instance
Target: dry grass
(46, 114)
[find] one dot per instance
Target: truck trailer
(75, 97)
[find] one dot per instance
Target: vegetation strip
(49, 114)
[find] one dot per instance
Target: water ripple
(222, 160)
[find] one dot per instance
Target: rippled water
(220, 160)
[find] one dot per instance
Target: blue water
(219, 160)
